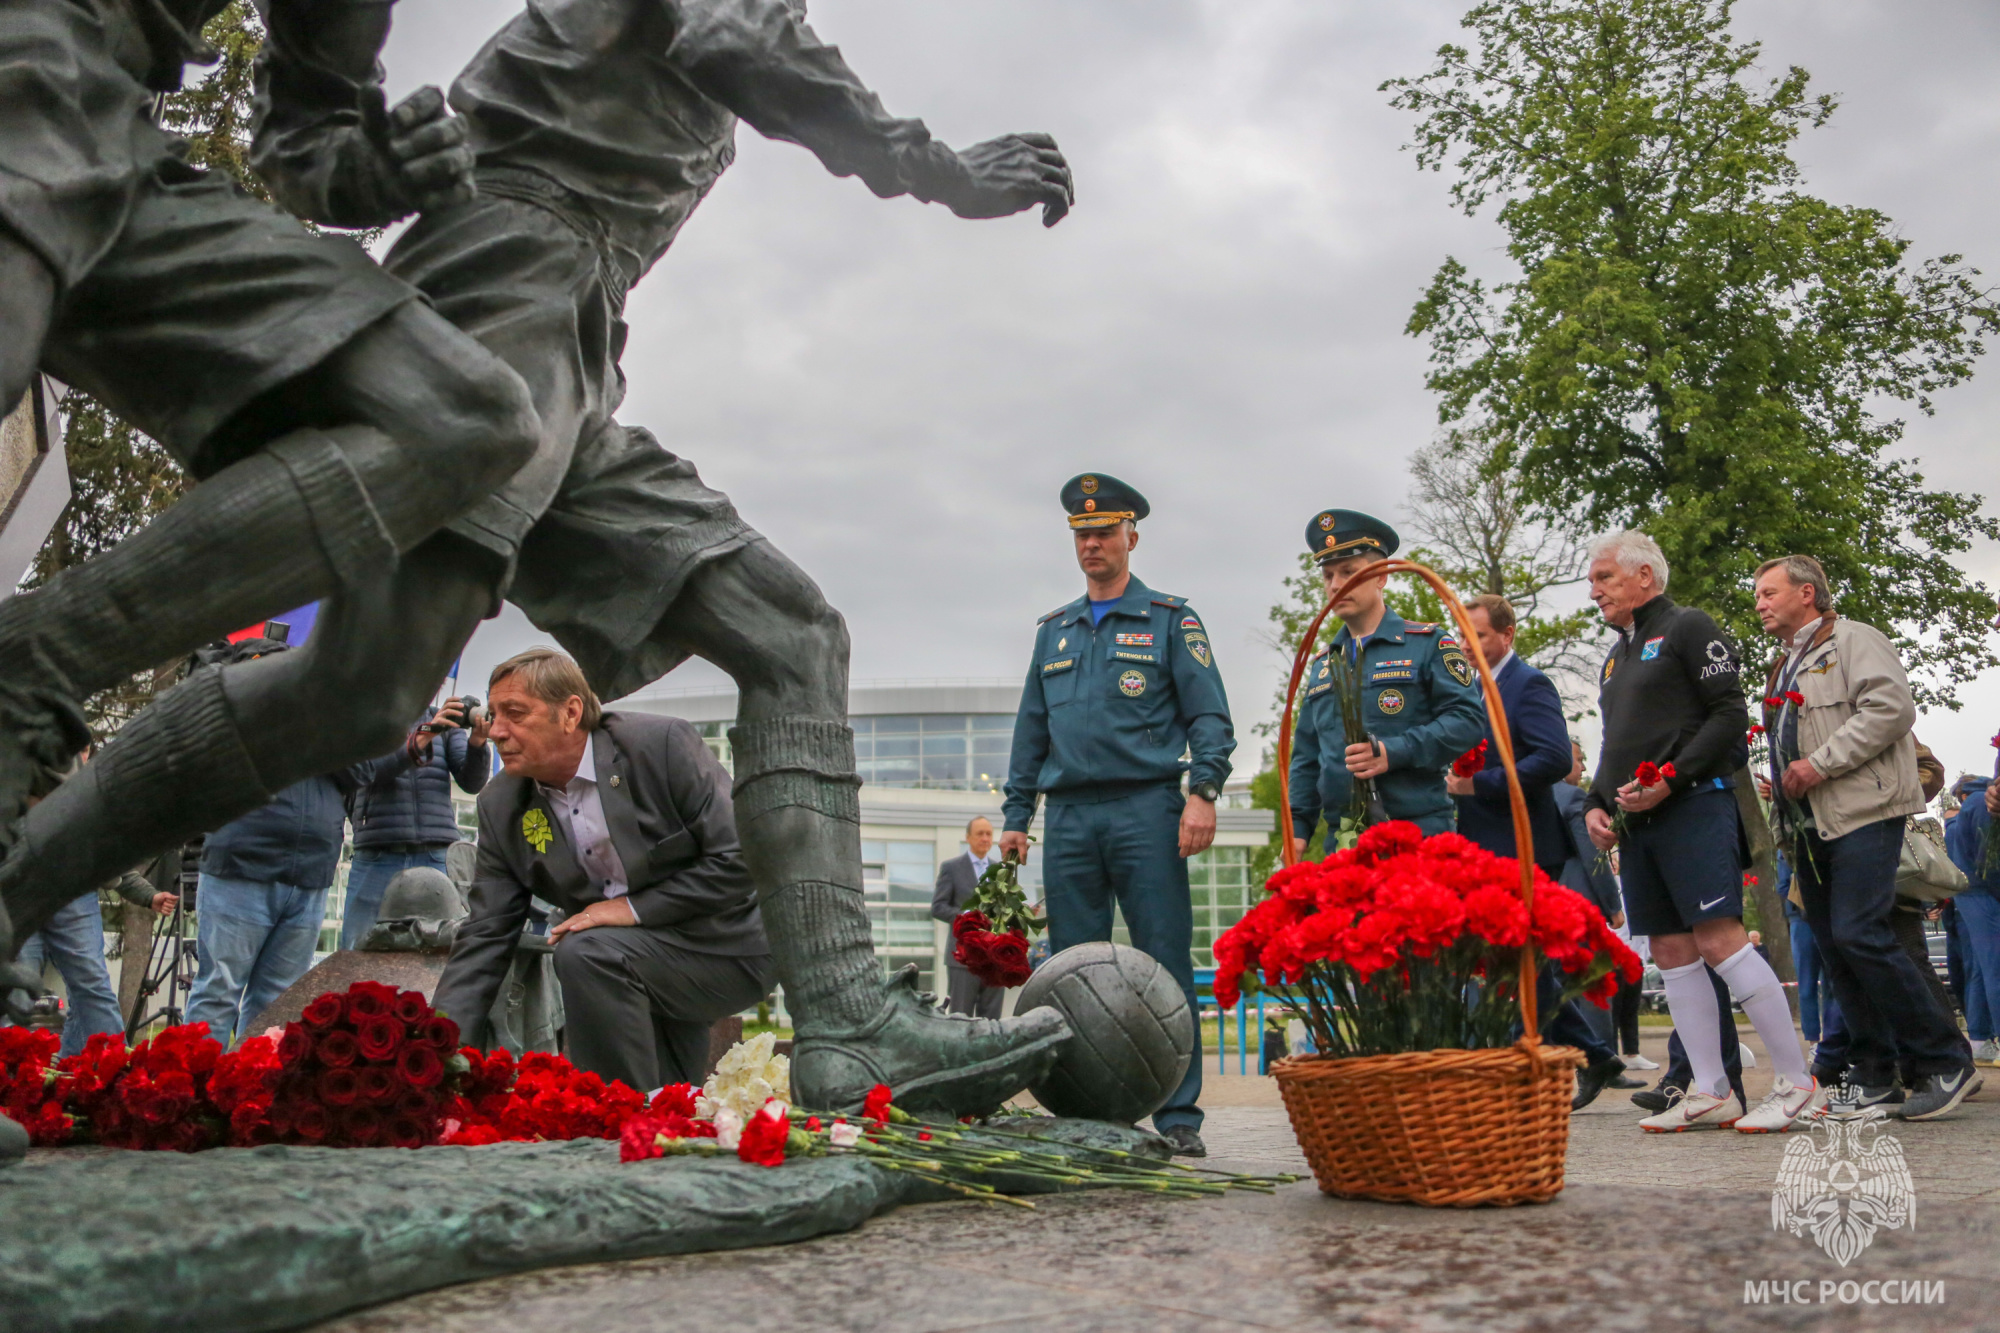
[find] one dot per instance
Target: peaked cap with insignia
(1096, 500)
(1336, 534)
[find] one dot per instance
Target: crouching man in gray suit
(957, 878)
(622, 820)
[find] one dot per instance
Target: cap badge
(1330, 540)
(1089, 485)
(1326, 522)
(1090, 506)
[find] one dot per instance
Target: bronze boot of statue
(798, 813)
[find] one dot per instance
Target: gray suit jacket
(955, 883)
(666, 800)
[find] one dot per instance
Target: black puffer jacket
(405, 801)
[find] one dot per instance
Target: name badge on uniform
(1137, 657)
(1134, 640)
(1390, 701)
(1652, 649)
(1381, 674)
(1049, 668)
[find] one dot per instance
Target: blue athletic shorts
(1682, 863)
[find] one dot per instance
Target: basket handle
(1496, 715)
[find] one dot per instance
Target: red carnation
(1773, 702)
(379, 1038)
(419, 1066)
(876, 1104)
(763, 1140)
(1471, 762)
(1757, 729)
(1666, 772)
(675, 1098)
(324, 1011)
(1794, 698)
(1648, 774)
(1383, 841)
(640, 1138)
(339, 1087)
(337, 1049)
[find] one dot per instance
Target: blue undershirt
(1099, 610)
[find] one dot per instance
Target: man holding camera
(402, 817)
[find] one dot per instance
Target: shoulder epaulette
(1418, 627)
(1166, 601)
(1053, 614)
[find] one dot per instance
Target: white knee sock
(1691, 1002)
(1757, 988)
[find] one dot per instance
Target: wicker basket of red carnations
(1412, 960)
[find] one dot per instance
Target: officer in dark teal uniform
(1419, 694)
(1122, 684)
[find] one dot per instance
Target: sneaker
(1697, 1110)
(1186, 1140)
(1640, 1062)
(1594, 1079)
(1660, 1096)
(1938, 1095)
(1988, 1053)
(1786, 1104)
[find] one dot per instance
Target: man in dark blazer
(1541, 749)
(1485, 815)
(957, 878)
(623, 821)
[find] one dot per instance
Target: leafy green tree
(1693, 344)
(120, 480)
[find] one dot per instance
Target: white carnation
(728, 1128)
(744, 1079)
(844, 1135)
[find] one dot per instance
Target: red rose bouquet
(28, 1086)
(154, 1096)
(368, 1067)
(991, 933)
(1407, 943)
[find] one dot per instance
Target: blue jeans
(1818, 1010)
(1979, 940)
(1848, 885)
(1128, 850)
(255, 941)
(367, 876)
(73, 940)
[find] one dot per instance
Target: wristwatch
(1208, 791)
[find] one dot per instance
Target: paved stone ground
(1655, 1234)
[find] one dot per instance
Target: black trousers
(1625, 1016)
(1848, 887)
(638, 1008)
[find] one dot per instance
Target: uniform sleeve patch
(1190, 622)
(1652, 649)
(1460, 669)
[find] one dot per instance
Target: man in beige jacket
(1844, 779)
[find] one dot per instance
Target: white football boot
(1786, 1104)
(1697, 1110)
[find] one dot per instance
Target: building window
(1219, 884)
(897, 878)
(939, 751)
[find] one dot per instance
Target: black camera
(468, 707)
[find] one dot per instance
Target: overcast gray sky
(894, 395)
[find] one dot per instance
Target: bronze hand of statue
(428, 152)
(1003, 176)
